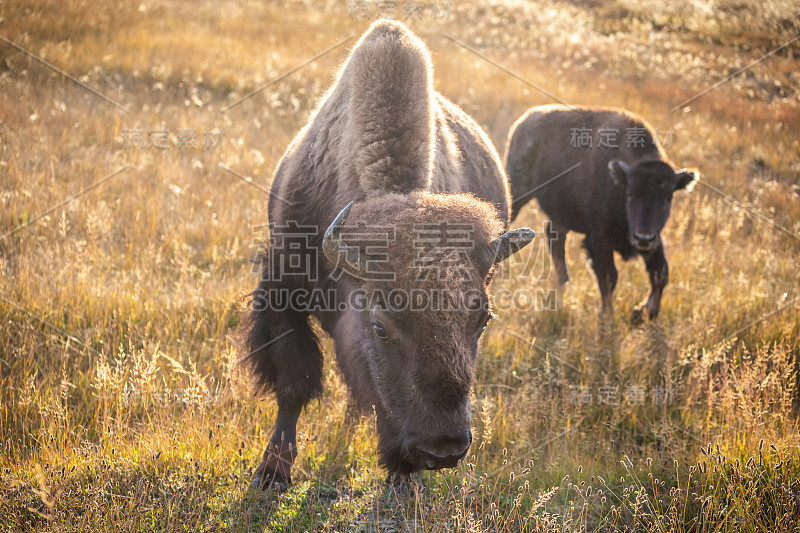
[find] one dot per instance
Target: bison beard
(378, 153)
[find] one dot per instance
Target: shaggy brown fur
(381, 137)
(619, 197)
(382, 128)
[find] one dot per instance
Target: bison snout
(444, 451)
(644, 240)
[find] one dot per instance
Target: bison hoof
(639, 316)
(268, 480)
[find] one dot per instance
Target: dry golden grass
(121, 407)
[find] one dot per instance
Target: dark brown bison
(386, 217)
(602, 173)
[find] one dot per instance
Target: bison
(387, 214)
(600, 172)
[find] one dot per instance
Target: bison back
(547, 160)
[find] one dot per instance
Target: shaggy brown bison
(415, 203)
(618, 191)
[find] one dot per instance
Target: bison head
(649, 186)
(407, 337)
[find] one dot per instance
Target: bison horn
(340, 254)
(510, 243)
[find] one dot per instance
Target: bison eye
(380, 331)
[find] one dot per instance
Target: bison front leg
(602, 257)
(274, 471)
(658, 269)
(286, 359)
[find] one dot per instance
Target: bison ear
(510, 243)
(618, 170)
(686, 178)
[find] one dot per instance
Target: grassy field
(122, 407)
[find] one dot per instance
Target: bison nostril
(443, 451)
(644, 237)
(461, 439)
(453, 444)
